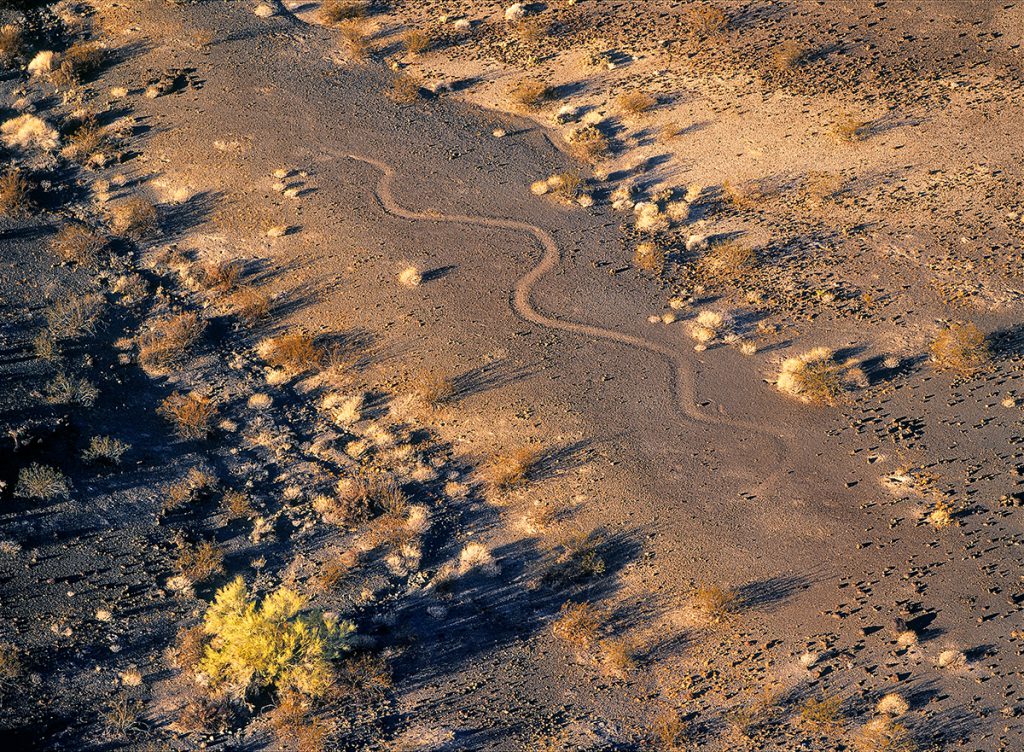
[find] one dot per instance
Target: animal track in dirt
(683, 383)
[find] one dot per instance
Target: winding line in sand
(683, 386)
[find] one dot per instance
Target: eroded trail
(683, 385)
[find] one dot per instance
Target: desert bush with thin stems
(360, 498)
(355, 39)
(649, 255)
(200, 562)
(579, 625)
(849, 129)
(105, 449)
(248, 303)
(74, 316)
(962, 349)
(277, 643)
(418, 41)
(729, 259)
(433, 388)
(575, 558)
(45, 346)
(65, 389)
(634, 103)
(12, 667)
(133, 218)
(822, 713)
(405, 89)
(79, 243)
(670, 732)
(77, 63)
(508, 470)
(237, 504)
(336, 11)
(196, 485)
(219, 276)
(884, 735)
(42, 482)
(707, 20)
(715, 602)
(11, 44)
(169, 340)
(294, 725)
(529, 94)
(14, 194)
(813, 376)
(206, 715)
(589, 143)
(192, 414)
(91, 144)
(122, 715)
(295, 352)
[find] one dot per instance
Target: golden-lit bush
(14, 194)
(42, 482)
(79, 243)
(294, 353)
(276, 643)
(77, 63)
(716, 603)
(192, 414)
(134, 218)
(579, 625)
(169, 340)
(961, 349)
(635, 103)
(814, 376)
(336, 11)
(510, 469)
(529, 94)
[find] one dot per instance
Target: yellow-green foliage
(271, 644)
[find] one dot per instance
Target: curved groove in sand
(683, 386)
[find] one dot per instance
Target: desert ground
(580, 375)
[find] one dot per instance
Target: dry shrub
(65, 389)
(237, 504)
(11, 44)
(293, 725)
(294, 353)
(192, 414)
(649, 256)
(333, 573)
(365, 677)
(74, 316)
(28, 131)
(574, 559)
(579, 625)
(635, 103)
(405, 89)
(849, 129)
(219, 276)
(202, 714)
(418, 41)
(564, 186)
(201, 562)
(354, 38)
(617, 657)
(79, 61)
(589, 143)
(533, 30)
(511, 469)
(814, 376)
(529, 94)
(962, 349)
(358, 499)
(884, 735)
(715, 602)
(169, 340)
(12, 667)
(122, 715)
(42, 482)
(824, 714)
(729, 259)
(14, 194)
(433, 388)
(741, 197)
(249, 303)
(822, 186)
(105, 449)
(196, 485)
(707, 20)
(670, 732)
(79, 243)
(134, 218)
(336, 11)
(189, 646)
(91, 145)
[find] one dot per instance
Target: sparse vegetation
(635, 103)
(823, 713)
(169, 340)
(74, 316)
(294, 353)
(529, 95)
(729, 259)
(192, 414)
(14, 194)
(249, 303)
(813, 376)
(354, 38)
(42, 482)
(716, 603)
(884, 735)
(336, 11)
(133, 218)
(11, 44)
(78, 62)
(579, 625)
(79, 243)
(200, 562)
(962, 349)
(649, 256)
(507, 470)
(849, 129)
